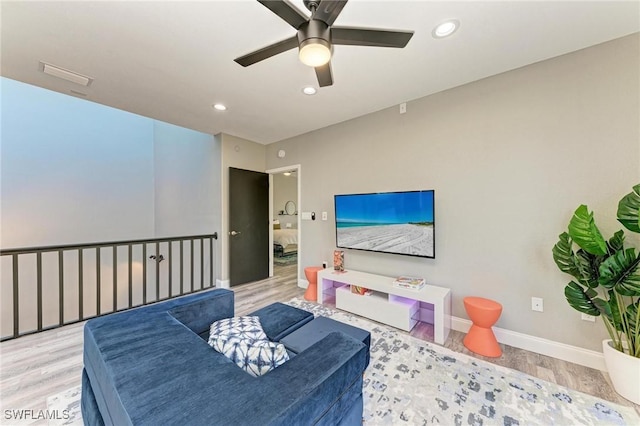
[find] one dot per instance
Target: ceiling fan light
(314, 52)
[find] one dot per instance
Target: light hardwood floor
(35, 367)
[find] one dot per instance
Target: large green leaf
(621, 272)
(616, 242)
(603, 307)
(564, 257)
(585, 233)
(589, 267)
(579, 300)
(629, 210)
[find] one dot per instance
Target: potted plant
(607, 284)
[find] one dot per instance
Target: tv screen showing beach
(389, 222)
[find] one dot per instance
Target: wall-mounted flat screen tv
(388, 222)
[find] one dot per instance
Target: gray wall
(73, 171)
(242, 154)
(510, 158)
(187, 181)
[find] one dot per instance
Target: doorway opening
(285, 233)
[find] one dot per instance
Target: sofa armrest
(321, 381)
(198, 314)
(318, 378)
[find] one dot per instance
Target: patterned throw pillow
(243, 328)
(255, 357)
(242, 340)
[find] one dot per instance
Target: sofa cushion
(317, 329)
(278, 320)
(198, 313)
(241, 328)
(256, 357)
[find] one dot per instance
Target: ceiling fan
(316, 36)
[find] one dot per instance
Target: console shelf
(397, 307)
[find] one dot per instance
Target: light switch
(324, 215)
(306, 216)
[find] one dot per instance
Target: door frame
(271, 172)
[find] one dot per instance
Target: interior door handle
(232, 233)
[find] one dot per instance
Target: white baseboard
(226, 284)
(558, 350)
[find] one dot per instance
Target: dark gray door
(248, 226)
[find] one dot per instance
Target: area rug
(288, 259)
(66, 406)
(413, 382)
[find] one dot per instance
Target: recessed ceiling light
(220, 107)
(445, 29)
(309, 90)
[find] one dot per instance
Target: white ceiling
(172, 60)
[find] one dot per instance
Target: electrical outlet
(587, 317)
(324, 215)
(537, 304)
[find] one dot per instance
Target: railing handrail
(72, 257)
(12, 251)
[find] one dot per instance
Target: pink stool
(311, 272)
(484, 313)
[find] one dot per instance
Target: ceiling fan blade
(286, 11)
(328, 10)
(370, 37)
(267, 52)
(323, 73)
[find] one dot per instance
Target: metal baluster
(210, 262)
(191, 256)
(61, 285)
(157, 272)
(144, 273)
(80, 286)
(39, 288)
(130, 277)
(16, 300)
(181, 267)
(115, 278)
(170, 269)
(201, 263)
(98, 280)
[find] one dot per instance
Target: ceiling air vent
(64, 74)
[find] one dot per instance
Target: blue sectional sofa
(153, 366)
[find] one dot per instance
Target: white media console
(397, 307)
